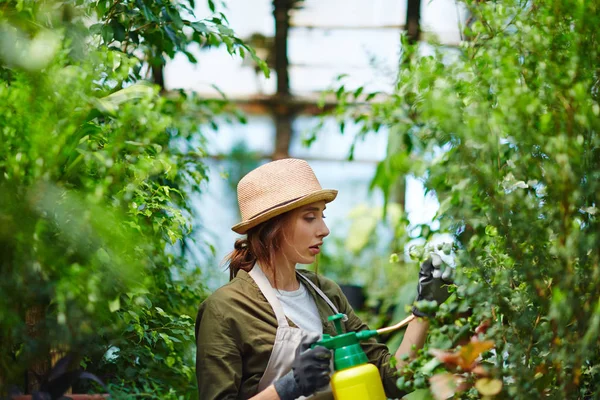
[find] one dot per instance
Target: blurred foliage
(94, 170)
(361, 258)
(504, 130)
(241, 159)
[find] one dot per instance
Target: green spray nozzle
(346, 346)
(337, 321)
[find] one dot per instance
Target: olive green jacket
(235, 331)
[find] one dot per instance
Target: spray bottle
(355, 378)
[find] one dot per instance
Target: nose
(323, 229)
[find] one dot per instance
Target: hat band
(275, 206)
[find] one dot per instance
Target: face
(305, 231)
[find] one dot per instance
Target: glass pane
(357, 13)
(332, 144)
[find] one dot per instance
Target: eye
(311, 217)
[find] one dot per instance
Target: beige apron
(287, 338)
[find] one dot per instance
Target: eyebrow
(314, 209)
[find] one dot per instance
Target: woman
(253, 334)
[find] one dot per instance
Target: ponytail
(262, 243)
(240, 258)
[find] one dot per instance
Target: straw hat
(275, 188)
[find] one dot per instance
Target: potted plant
(59, 379)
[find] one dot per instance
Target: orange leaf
(483, 327)
(447, 357)
(479, 370)
(446, 385)
(470, 352)
(466, 356)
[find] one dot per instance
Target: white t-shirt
(300, 307)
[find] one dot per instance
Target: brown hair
(262, 243)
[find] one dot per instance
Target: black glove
(310, 371)
(434, 278)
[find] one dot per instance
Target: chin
(307, 260)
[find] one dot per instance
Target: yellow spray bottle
(355, 378)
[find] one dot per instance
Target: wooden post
(158, 76)
(413, 31)
(34, 318)
(413, 20)
(281, 12)
(282, 113)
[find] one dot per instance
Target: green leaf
(167, 340)
(491, 230)
(115, 304)
(171, 35)
(371, 95)
(107, 34)
(358, 92)
(175, 17)
(200, 27)
(118, 30)
(225, 31)
(340, 92)
(160, 311)
(96, 28)
(431, 366)
(419, 394)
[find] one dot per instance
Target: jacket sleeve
(377, 353)
(218, 356)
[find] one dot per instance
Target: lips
(315, 249)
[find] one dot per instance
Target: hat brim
(326, 195)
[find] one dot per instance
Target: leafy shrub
(504, 130)
(94, 170)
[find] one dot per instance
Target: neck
(283, 275)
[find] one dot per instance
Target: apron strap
(267, 290)
(323, 295)
(265, 287)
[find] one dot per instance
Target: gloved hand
(434, 277)
(310, 372)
